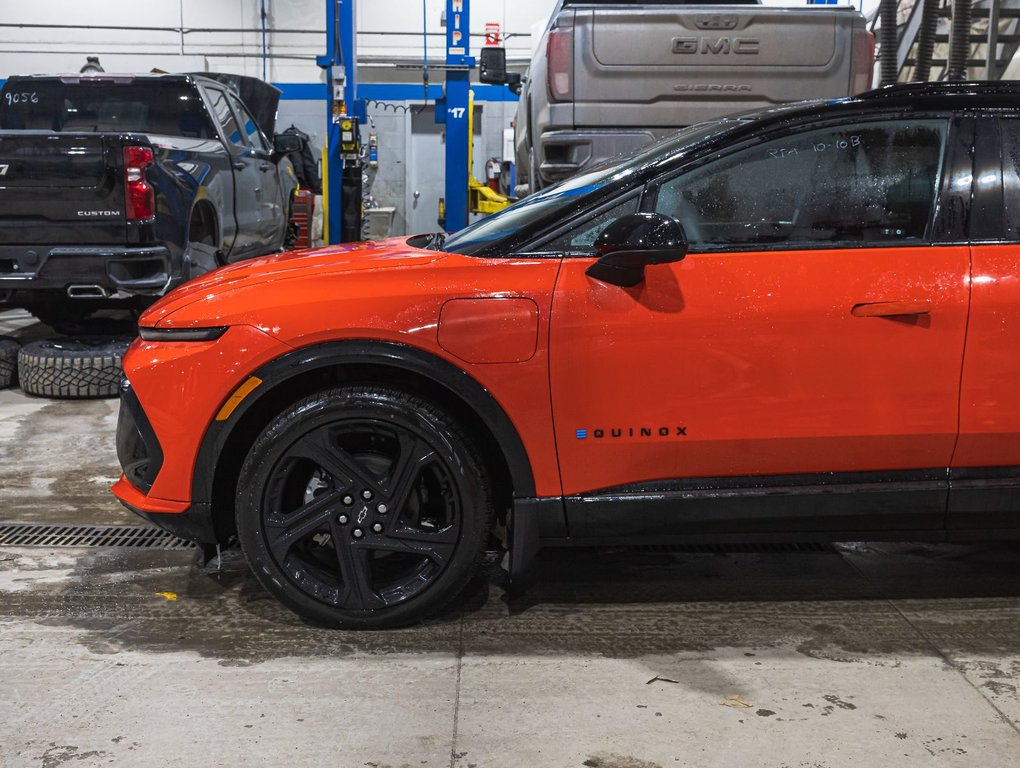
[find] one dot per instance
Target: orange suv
(801, 323)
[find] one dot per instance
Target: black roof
(990, 90)
(902, 97)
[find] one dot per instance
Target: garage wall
(225, 35)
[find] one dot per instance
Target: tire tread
(71, 374)
(8, 361)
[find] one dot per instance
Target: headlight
(182, 334)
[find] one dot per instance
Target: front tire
(363, 508)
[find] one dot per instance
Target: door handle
(239, 165)
(265, 166)
(892, 308)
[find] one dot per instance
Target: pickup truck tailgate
(660, 38)
(50, 178)
(52, 161)
(683, 64)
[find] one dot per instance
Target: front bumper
(110, 271)
(193, 522)
(141, 458)
(171, 396)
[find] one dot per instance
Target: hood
(390, 254)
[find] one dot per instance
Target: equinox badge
(617, 432)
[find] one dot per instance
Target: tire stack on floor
(73, 368)
(8, 361)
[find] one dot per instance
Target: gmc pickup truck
(609, 77)
(115, 189)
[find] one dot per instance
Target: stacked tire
(73, 368)
(8, 362)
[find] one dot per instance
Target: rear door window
(250, 127)
(225, 117)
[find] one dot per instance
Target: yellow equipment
(481, 198)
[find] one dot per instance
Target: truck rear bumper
(562, 153)
(86, 272)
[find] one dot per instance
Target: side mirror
(286, 143)
(492, 69)
(492, 65)
(634, 241)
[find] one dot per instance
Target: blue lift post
(340, 60)
(452, 110)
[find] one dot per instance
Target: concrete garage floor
(884, 655)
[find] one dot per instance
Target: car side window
(866, 184)
(225, 117)
(250, 127)
(580, 241)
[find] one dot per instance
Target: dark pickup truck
(115, 189)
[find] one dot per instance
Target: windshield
(545, 204)
(98, 105)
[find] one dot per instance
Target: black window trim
(951, 223)
(931, 227)
(988, 224)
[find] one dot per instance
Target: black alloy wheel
(363, 508)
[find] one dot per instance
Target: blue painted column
(458, 83)
(341, 51)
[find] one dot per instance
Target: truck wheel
(201, 258)
(73, 369)
(8, 361)
(363, 508)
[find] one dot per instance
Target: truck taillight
(864, 61)
(139, 199)
(560, 63)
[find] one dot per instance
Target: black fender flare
(364, 352)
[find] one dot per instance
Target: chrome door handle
(892, 308)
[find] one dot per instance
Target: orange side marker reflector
(235, 399)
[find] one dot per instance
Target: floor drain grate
(135, 536)
(753, 548)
